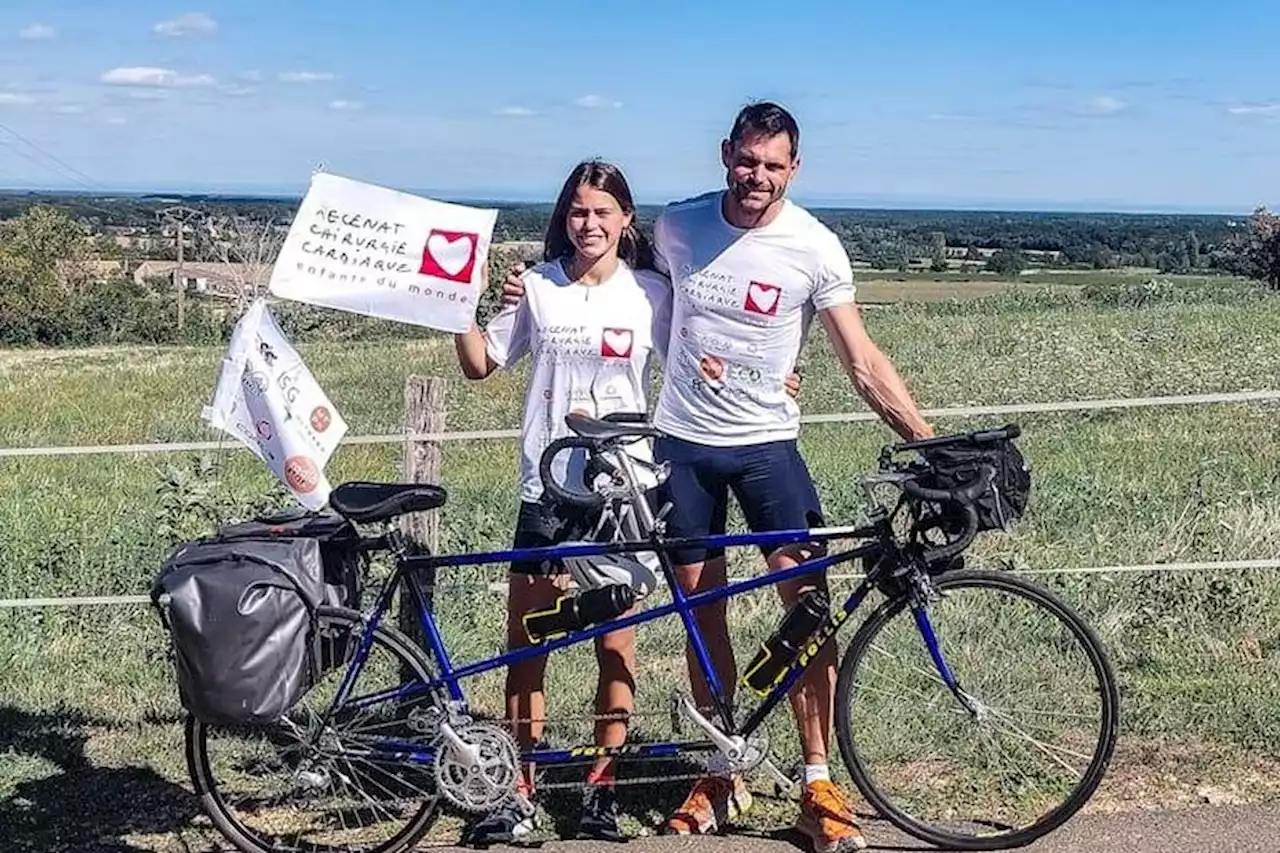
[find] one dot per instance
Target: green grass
(89, 697)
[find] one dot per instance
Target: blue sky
(1127, 104)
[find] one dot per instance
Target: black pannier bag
(999, 506)
(241, 611)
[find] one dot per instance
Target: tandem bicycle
(974, 710)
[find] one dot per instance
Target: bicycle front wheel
(1010, 754)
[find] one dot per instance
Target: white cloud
(345, 105)
(38, 32)
(515, 111)
(305, 76)
(68, 109)
(1255, 109)
(595, 102)
(15, 99)
(147, 94)
(252, 76)
(1103, 105)
(161, 78)
(117, 120)
(238, 91)
(190, 24)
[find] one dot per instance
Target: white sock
(814, 772)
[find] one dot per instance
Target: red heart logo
(616, 343)
(763, 298)
(450, 255)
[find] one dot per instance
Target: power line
(25, 156)
(79, 176)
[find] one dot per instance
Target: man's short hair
(766, 118)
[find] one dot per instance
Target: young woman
(591, 320)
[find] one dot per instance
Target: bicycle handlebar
(963, 496)
(588, 500)
(984, 436)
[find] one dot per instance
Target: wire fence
(836, 417)
(501, 586)
(841, 417)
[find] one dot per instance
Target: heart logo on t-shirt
(449, 255)
(616, 343)
(763, 298)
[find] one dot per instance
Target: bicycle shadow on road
(61, 801)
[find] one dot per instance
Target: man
(749, 269)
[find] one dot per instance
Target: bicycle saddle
(369, 502)
(621, 425)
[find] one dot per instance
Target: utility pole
(179, 217)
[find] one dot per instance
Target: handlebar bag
(1000, 505)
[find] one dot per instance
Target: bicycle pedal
(783, 784)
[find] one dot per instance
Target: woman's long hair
(633, 248)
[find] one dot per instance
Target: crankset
(477, 767)
(743, 754)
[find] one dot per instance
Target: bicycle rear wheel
(296, 785)
(1022, 748)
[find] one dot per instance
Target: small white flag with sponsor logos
(371, 250)
(268, 399)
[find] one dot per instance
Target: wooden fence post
(423, 413)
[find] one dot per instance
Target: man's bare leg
(812, 696)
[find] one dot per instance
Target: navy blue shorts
(542, 524)
(545, 524)
(770, 481)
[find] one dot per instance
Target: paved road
(1205, 829)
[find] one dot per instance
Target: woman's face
(595, 223)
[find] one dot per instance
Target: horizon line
(872, 202)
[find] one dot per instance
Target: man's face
(759, 168)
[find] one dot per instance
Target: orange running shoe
(713, 802)
(827, 818)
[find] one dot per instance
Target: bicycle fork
(920, 611)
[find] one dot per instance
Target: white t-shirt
(591, 350)
(743, 302)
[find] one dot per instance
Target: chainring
(488, 783)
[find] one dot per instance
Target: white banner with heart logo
(268, 399)
(374, 251)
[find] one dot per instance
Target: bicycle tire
(1108, 724)
(243, 837)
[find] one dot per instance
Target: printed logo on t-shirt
(763, 298)
(450, 255)
(616, 343)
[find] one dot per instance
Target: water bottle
(778, 652)
(575, 612)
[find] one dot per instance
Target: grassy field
(88, 703)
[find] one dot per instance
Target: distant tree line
(884, 239)
(48, 295)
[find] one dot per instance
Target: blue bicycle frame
(448, 680)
